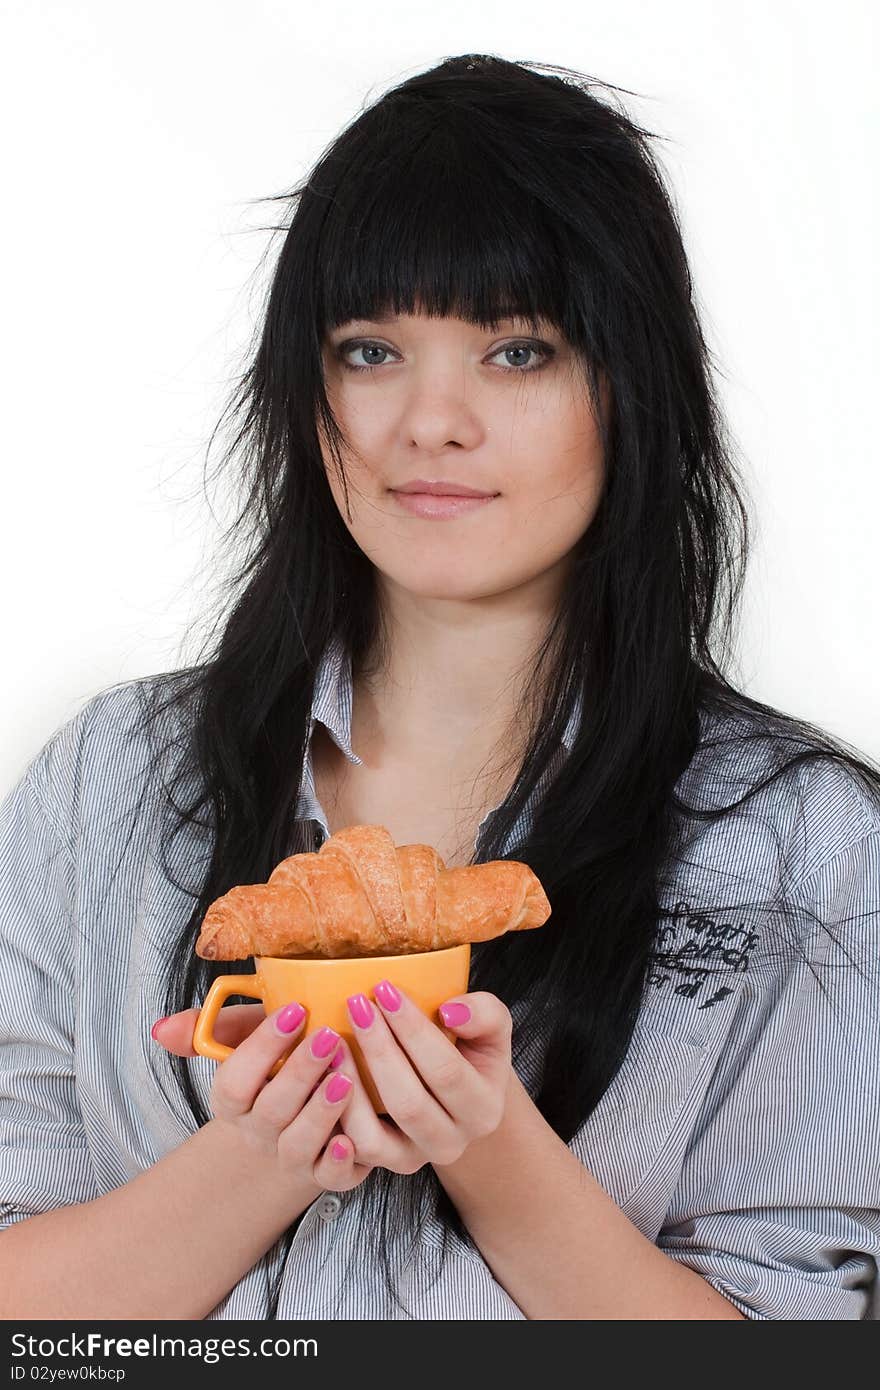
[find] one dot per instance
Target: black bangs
(425, 216)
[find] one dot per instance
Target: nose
(435, 419)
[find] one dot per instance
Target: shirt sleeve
(44, 1155)
(778, 1206)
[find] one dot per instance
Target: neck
(453, 673)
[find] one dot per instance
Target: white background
(139, 140)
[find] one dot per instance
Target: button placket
(329, 1206)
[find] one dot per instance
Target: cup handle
(204, 1041)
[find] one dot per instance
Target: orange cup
(428, 978)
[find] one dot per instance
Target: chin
(458, 592)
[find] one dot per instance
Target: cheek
(558, 480)
(545, 521)
(366, 492)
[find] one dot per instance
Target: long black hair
(481, 188)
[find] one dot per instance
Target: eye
(544, 351)
(367, 345)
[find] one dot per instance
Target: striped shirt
(741, 1135)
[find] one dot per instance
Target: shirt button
(329, 1207)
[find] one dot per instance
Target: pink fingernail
(361, 1010)
(337, 1059)
(337, 1087)
(338, 1150)
(324, 1042)
(290, 1018)
(158, 1024)
(387, 995)
(454, 1015)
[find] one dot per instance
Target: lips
(433, 507)
(437, 489)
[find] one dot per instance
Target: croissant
(360, 895)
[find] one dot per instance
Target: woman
(663, 1103)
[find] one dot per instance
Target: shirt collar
(570, 732)
(333, 700)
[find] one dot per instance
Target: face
(506, 412)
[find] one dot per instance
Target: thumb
(481, 1021)
(233, 1024)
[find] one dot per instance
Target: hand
(289, 1116)
(440, 1095)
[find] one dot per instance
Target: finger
(377, 1143)
(408, 1101)
(473, 1095)
(233, 1024)
(336, 1168)
(483, 1027)
(259, 1061)
(308, 1132)
(448, 1075)
(297, 1081)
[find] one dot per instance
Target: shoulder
(838, 812)
(99, 754)
(792, 793)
